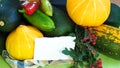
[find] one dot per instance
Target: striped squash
(108, 40)
(88, 12)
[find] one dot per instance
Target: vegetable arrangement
(94, 24)
(39, 22)
(87, 14)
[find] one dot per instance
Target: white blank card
(50, 48)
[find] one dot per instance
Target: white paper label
(50, 48)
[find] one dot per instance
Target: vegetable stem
(2, 23)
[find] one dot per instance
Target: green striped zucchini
(108, 40)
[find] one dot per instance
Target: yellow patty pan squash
(88, 12)
(20, 42)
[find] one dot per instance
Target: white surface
(51, 48)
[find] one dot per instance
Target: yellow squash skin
(88, 12)
(20, 42)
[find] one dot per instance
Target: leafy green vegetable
(84, 52)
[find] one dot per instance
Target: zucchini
(64, 25)
(3, 36)
(108, 40)
(10, 18)
(59, 4)
(114, 17)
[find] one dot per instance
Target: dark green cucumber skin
(103, 45)
(40, 20)
(114, 17)
(64, 25)
(3, 36)
(9, 14)
(108, 47)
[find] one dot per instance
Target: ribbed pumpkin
(20, 42)
(88, 12)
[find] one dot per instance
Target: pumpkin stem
(2, 23)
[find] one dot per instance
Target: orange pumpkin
(88, 12)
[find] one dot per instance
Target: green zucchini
(3, 36)
(10, 18)
(40, 20)
(64, 25)
(114, 17)
(108, 40)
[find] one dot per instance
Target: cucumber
(108, 40)
(64, 25)
(3, 36)
(9, 16)
(114, 17)
(39, 20)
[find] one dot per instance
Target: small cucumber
(40, 20)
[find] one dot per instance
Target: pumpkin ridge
(94, 13)
(18, 51)
(8, 47)
(27, 40)
(19, 44)
(77, 7)
(84, 14)
(102, 5)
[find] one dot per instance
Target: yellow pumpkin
(20, 42)
(88, 12)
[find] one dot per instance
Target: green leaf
(72, 34)
(96, 55)
(81, 64)
(70, 53)
(66, 51)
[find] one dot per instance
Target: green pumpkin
(9, 15)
